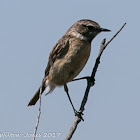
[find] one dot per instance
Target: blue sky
(28, 31)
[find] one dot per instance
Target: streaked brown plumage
(69, 56)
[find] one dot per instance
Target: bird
(69, 56)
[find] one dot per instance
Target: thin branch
(73, 128)
(90, 83)
(115, 35)
(39, 113)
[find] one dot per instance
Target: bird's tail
(35, 97)
(49, 88)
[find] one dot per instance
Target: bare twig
(39, 113)
(73, 128)
(90, 82)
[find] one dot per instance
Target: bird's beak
(105, 30)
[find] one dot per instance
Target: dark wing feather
(58, 52)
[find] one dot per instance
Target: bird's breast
(67, 68)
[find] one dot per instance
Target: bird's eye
(84, 25)
(90, 27)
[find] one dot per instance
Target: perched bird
(69, 56)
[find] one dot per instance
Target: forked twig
(90, 83)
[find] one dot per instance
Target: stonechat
(69, 56)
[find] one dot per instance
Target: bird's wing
(58, 52)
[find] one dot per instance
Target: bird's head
(85, 29)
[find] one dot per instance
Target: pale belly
(66, 69)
